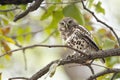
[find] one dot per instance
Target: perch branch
(80, 60)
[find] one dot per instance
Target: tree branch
(39, 45)
(16, 2)
(81, 60)
(33, 7)
(112, 78)
(98, 20)
(18, 78)
(115, 70)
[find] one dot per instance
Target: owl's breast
(76, 42)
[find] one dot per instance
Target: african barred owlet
(77, 36)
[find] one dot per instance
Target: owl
(76, 36)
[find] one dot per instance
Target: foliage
(22, 32)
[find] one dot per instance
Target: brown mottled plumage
(77, 36)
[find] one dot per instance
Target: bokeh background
(40, 27)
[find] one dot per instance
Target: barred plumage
(77, 36)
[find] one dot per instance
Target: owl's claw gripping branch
(80, 60)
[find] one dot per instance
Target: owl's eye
(70, 21)
(62, 23)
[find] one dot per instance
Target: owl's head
(67, 24)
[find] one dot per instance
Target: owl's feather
(77, 36)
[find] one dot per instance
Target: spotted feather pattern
(77, 36)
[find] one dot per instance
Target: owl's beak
(66, 25)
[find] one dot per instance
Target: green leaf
(23, 7)
(89, 27)
(99, 8)
(73, 11)
(56, 17)
(117, 76)
(4, 19)
(20, 38)
(110, 61)
(90, 3)
(48, 13)
(108, 44)
(28, 36)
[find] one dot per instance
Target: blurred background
(40, 27)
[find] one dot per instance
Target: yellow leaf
(6, 47)
(7, 57)
(6, 30)
(1, 31)
(10, 40)
(110, 35)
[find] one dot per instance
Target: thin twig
(100, 65)
(39, 45)
(98, 20)
(103, 73)
(18, 78)
(112, 78)
(24, 56)
(92, 70)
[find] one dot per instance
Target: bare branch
(39, 45)
(42, 71)
(98, 20)
(18, 78)
(113, 76)
(100, 65)
(79, 60)
(16, 2)
(115, 70)
(33, 7)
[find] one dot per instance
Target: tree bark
(16, 2)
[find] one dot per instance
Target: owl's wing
(84, 31)
(87, 36)
(91, 43)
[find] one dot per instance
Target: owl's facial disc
(63, 26)
(69, 22)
